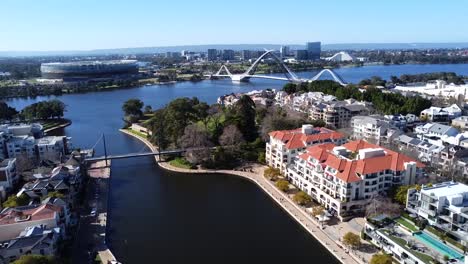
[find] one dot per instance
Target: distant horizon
(203, 47)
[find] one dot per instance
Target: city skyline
(66, 25)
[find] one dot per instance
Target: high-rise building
(284, 51)
(301, 55)
(313, 50)
(228, 54)
(246, 55)
(212, 54)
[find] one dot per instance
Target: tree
(14, 201)
(243, 117)
(401, 193)
(318, 210)
(196, 141)
(35, 259)
(56, 194)
(231, 137)
(132, 107)
(290, 88)
(381, 259)
(382, 205)
(302, 198)
(148, 109)
(271, 173)
(352, 240)
(282, 185)
(7, 112)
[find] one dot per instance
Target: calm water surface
(163, 217)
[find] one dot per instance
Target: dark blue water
(176, 218)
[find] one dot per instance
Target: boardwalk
(298, 213)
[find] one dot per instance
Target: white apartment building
(8, 176)
(338, 114)
(284, 145)
(461, 122)
(53, 148)
(373, 128)
(443, 205)
(439, 134)
(441, 115)
(345, 178)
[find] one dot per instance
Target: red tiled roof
(347, 169)
(45, 211)
(294, 139)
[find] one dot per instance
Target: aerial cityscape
(192, 132)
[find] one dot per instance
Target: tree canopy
(386, 103)
(44, 110)
(35, 259)
(132, 107)
(14, 201)
(7, 112)
(381, 259)
(282, 185)
(352, 240)
(302, 198)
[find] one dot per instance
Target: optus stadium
(88, 69)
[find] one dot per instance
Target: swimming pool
(438, 245)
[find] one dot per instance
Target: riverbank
(311, 225)
(51, 125)
(93, 226)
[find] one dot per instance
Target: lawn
(47, 124)
(181, 163)
(410, 226)
(136, 133)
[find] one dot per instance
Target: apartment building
(8, 176)
(374, 128)
(441, 115)
(284, 145)
(26, 140)
(461, 122)
(338, 114)
(345, 178)
(443, 205)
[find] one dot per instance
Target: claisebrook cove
(156, 215)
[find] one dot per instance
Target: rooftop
(369, 158)
(294, 139)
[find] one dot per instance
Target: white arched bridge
(289, 75)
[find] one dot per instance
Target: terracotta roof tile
(347, 169)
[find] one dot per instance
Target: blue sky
(94, 24)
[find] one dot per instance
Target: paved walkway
(91, 233)
(299, 214)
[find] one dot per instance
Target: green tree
(272, 173)
(7, 112)
(148, 109)
(14, 201)
(302, 198)
(282, 185)
(35, 259)
(401, 193)
(352, 240)
(56, 194)
(132, 107)
(243, 116)
(290, 88)
(381, 259)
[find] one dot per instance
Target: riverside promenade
(299, 214)
(92, 229)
